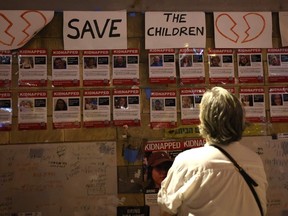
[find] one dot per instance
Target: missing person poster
(278, 97)
(65, 68)
(96, 108)
(125, 67)
(5, 111)
(162, 66)
(221, 66)
(250, 66)
(32, 67)
(5, 68)
(126, 107)
(66, 109)
(158, 158)
(190, 99)
(191, 66)
(277, 65)
(96, 68)
(253, 100)
(32, 110)
(163, 109)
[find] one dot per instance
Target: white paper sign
(19, 26)
(243, 29)
(174, 30)
(283, 23)
(86, 30)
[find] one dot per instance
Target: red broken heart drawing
(251, 32)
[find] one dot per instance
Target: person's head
(59, 63)
(119, 60)
(90, 62)
(221, 117)
(123, 101)
(215, 61)
(243, 60)
(159, 163)
(274, 60)
(276, 99)
(186, 101)
(60, 105)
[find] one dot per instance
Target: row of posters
(95, 106)
(125, 67)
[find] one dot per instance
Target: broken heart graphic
(244, 30)
(18, 27)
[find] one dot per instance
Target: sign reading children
(174, 30)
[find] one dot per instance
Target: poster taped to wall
(65, 68)
(32, 68)
(5, 111)
(190, 105)
(162, 68)
(278, 97)
(250, 66)
(163, 109)
(96, 68)
(277, 65)
(32, 110)
(191, 66)
(5, 68)
(253, 100)
(96, 108)
(125, 67)
(126, 107)
(66, 109)
(221, 66)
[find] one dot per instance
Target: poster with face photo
(221, 66)
(65, 68)
(277, 60)
(190, 99)
(126, 107)
(32, 110)
(163, 109)
(32, 68)
(253, 100)
(66, 109)
(191, 66)
(250, 66)
(162, 66)
(96, 68)
(96, 108)
(5, 68)
(125, 67)
(278, 101)
(5, 111)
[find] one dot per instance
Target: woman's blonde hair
(221, 117)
